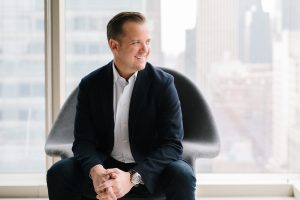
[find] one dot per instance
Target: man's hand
(99, 176)
(119, 182)
(108, 194)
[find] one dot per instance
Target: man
(128, 127)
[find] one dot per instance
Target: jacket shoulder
(97, 75)
(158, 74)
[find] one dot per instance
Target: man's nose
(144, 47)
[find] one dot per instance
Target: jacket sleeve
(170, 131)
(84, 146)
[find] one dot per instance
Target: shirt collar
(117, 75)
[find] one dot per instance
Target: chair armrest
(193, 150)
(61, 150)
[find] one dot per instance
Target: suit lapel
(107, 95)
(137, 101)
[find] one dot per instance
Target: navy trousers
(65, 180)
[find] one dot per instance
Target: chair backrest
(199, 126)
(198, 122)
(61, 137)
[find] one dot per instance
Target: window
(243, 55)
(24, 89)
(22, 121)
(23, 115)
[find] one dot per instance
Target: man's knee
(181, 172)
(64, 179)
(64, 169)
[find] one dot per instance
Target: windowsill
(250, 185)
(208, 185)
(247, 178)
(22, 179)
(23, 185)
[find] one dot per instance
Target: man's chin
(141, 67)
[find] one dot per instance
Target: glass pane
(243, 55)
(22, 102)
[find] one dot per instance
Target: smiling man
(128, 127)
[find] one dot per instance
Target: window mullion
(55, 62)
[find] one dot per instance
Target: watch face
(136, 178)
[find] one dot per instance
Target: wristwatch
(135, 178)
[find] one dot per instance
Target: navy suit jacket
(155, 122)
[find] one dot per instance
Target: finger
(113, 175)
(104, 185)
(103, 196)
(107, 195)
(105, 178)
(98, 191)
(111, 193)
(113, 170)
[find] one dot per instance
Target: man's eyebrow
(138, 40)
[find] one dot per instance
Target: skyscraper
(291, 25)
(216, 31)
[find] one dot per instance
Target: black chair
(201, 139)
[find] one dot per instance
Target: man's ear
(114, 45)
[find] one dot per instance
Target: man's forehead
(136, 29)
(134, 25)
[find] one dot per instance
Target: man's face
(133, 48)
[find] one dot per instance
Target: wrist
(97, 169)
(135, 178)
(129, 179)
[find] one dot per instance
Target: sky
(175, 20)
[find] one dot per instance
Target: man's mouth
(140, 57)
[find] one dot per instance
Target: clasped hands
(110, 184)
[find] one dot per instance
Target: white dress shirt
(122, 95)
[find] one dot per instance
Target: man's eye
(137, 42)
